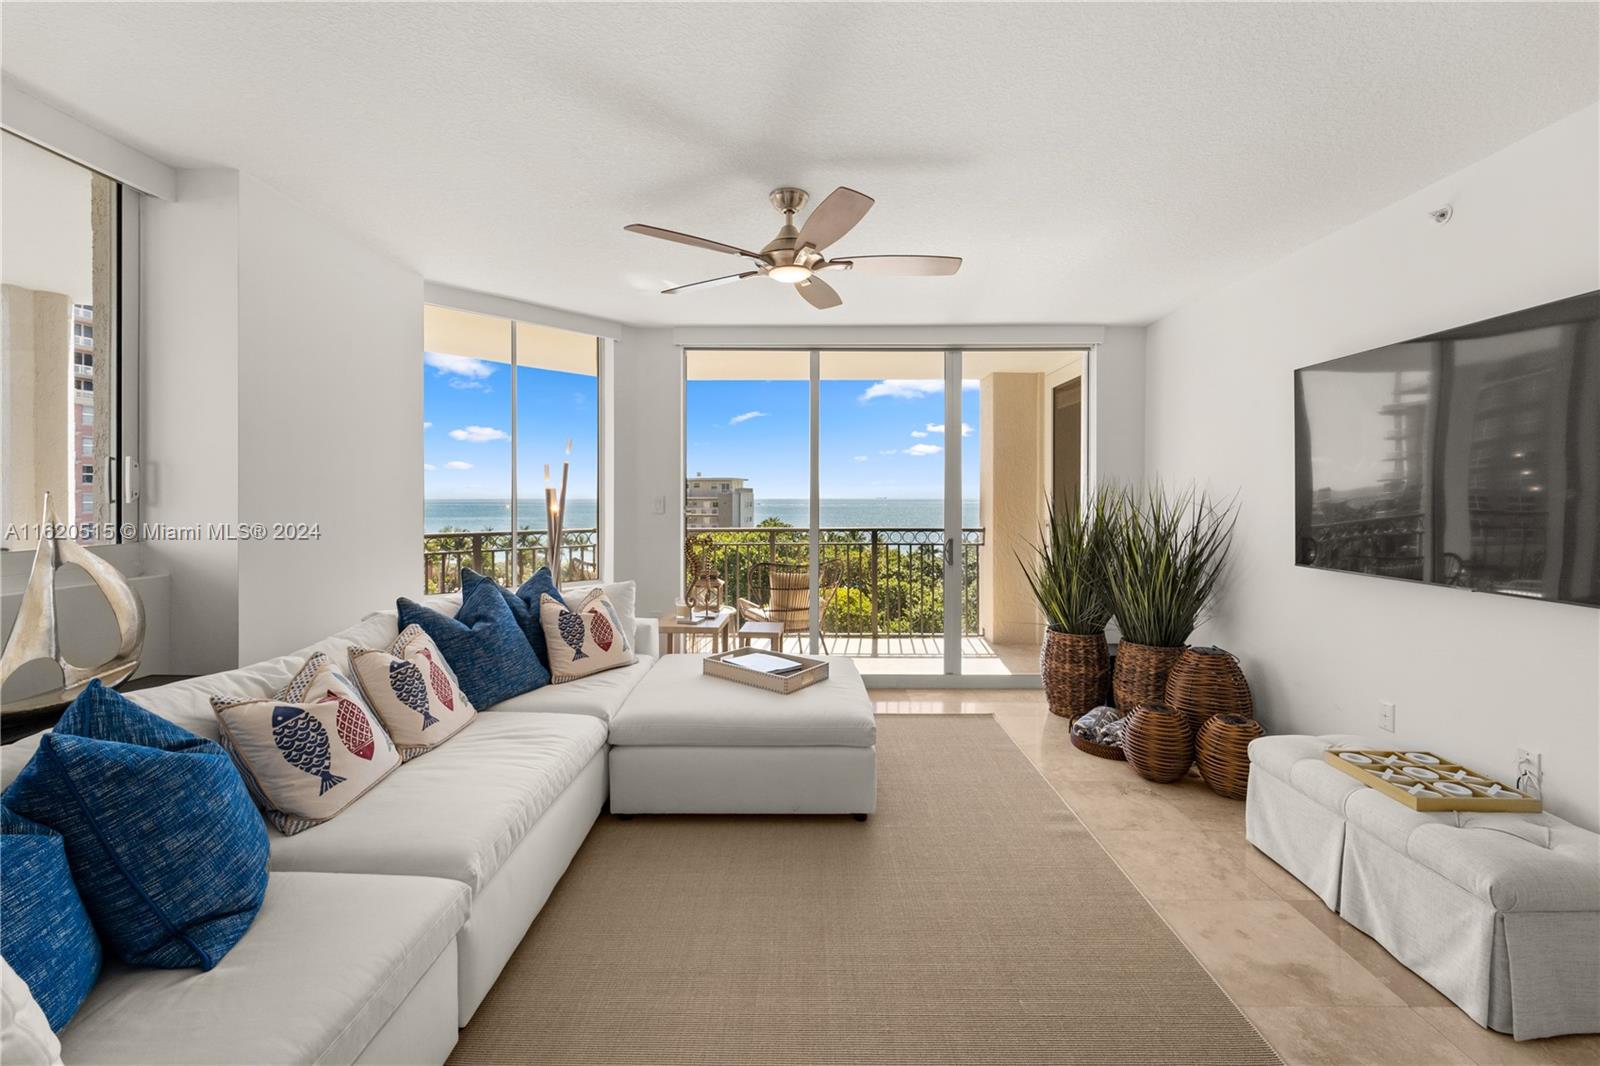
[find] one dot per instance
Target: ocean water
(861, 513)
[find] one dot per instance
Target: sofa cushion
(598, 695)
(676, 704)
(584, 639)
(1277, 755)
(481, 642)
(524, 604)
(44, 931)
(1511, 873)
(412, 689)
(624, 596)
(25, 1035)
(166, 847)
(459, 812)
(318, 974)
(311, 750)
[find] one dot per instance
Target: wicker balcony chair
(789, 596)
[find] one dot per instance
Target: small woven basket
(1076, 669)
(1158, 744)
(1208, 681)
(1140, 673)
(1221, 751)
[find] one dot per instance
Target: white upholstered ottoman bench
(1500, 912)
(684, 743)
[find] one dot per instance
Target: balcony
(887, 610)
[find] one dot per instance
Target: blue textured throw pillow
(527, 598)
(45, 934)
(491, 657)
(168, 852)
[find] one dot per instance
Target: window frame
(123, 325)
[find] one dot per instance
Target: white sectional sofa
(384, 928)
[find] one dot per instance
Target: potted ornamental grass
(1067, 575)
(1162, 567)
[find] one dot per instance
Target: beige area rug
(971, 920)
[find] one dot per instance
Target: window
(61, 254)
(506, 407)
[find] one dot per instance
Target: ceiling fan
(795, 256)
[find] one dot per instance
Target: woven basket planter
(1140, 674)
(1076, 670)
(1208, 681)
(1220, 751)
(1158, 744)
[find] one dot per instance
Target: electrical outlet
(1386, 716)
(1530, 770)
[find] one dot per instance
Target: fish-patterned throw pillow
(584, 639)
(414, 691)
(311, 750)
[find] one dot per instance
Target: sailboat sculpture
(34, 636)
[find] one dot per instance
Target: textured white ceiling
(1093, 163)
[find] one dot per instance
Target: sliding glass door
(905, 484)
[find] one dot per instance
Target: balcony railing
(489, 552)
(891, 581)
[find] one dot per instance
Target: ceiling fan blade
(919, 266)
(689, 239)
(834, 217)
(818, 293)
(711, 281)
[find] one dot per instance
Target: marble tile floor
(1319, 990)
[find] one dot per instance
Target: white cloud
(479, 434)
(890, 451)
(445, 363)
(858, 458)
(429, 466)
(924, 449)
(966, 430)
(747, 416)
(918, 433)
(427, 425)
(468, 383)
(903, 389)
(457, 464)
(911, 388)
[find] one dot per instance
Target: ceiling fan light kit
(795, 256)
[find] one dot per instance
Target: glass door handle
(949, 551)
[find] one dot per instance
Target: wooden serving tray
(1370, 774)
(720, 665)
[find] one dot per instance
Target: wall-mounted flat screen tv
(1468, 458)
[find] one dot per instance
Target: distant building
(718, 503)
(83, 463)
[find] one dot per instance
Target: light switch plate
(1386, 716)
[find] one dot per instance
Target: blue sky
(884, 438)
(466, 429)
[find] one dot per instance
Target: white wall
(281, 383)
(647, 439)
(329, 425)
(1474, 676)
(1115, 401)
(189, 394)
